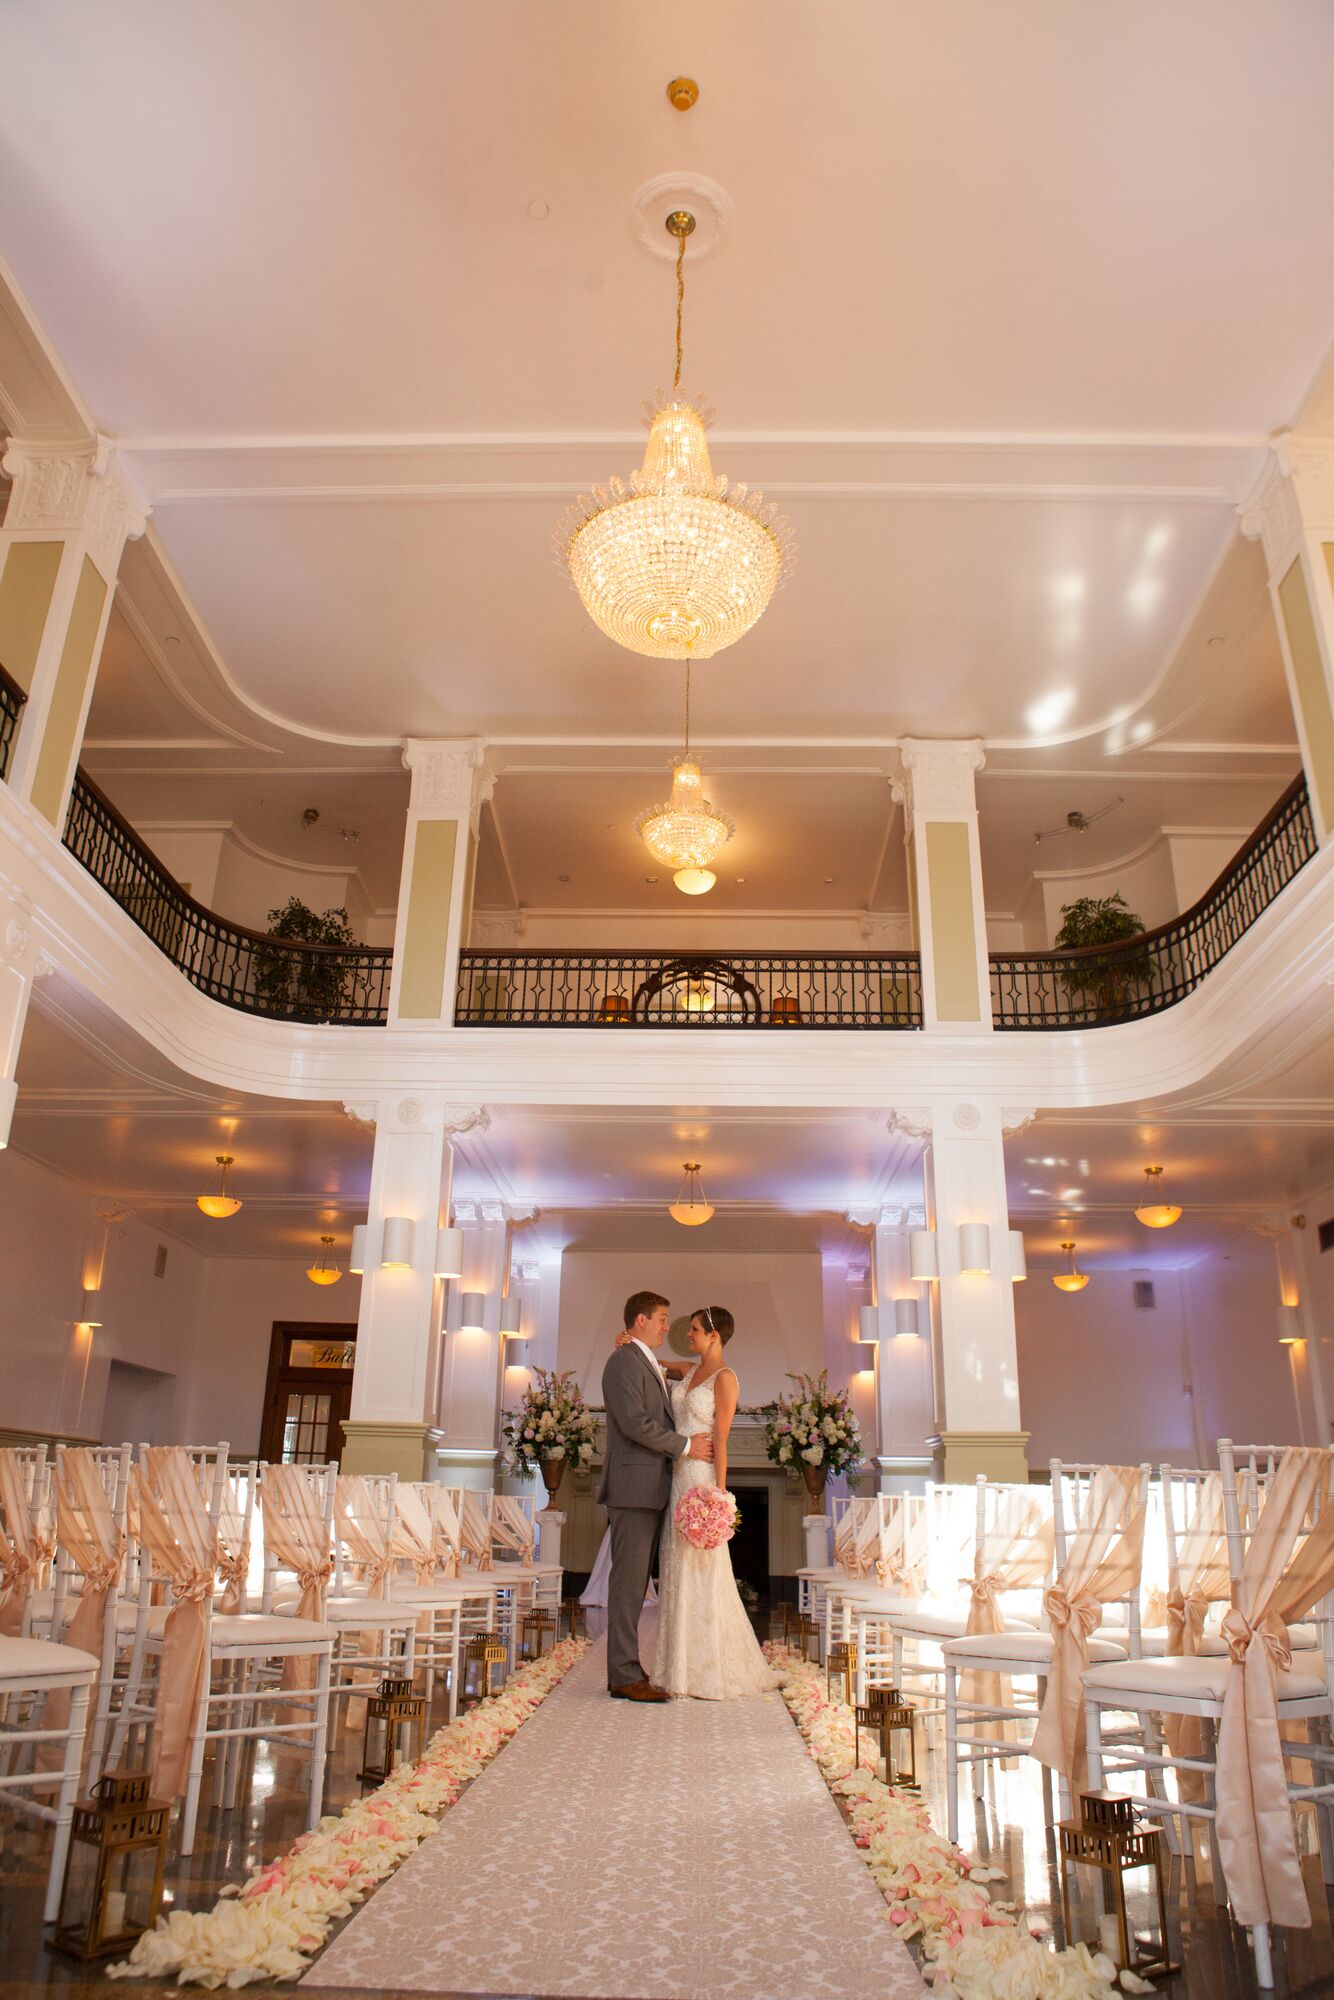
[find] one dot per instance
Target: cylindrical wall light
(974, 1249)
(511, 1317)
(906, 1318)
(472, 1312)
(923, 1255)
(356, 1256)
(449, 1253)
(1289, 1326)
(1018, 1260)
(868, 1320)
(396, 1243)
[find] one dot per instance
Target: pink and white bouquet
(706, 1517)
(815, 1426)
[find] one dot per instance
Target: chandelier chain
(680, 304)
(687, 705)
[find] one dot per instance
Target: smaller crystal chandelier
(222, 1204)
(686, 833)
(325, 1272)
(692, 1206)
(1153, 1211)
(1071, 1280)
(678, 564)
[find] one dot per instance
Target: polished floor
(1006, 1826)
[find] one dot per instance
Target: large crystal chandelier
(686, 833)
(678, 564)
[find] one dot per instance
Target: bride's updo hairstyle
(717, 1319)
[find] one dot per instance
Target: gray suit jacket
(641, 1440)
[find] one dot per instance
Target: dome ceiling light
(691, 1207)
(1071, 1280)
(325, 1272)
(224, 1203)
(1153, 1211)
(679, 563)
(686, 833)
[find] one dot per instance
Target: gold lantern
(897, 1722)
(808, 1632)
(1107, 1838)
(535, 1628)
(842, 1660)
(575, 1616)
(482, 1654)
(113, 1873)
(393, 1730)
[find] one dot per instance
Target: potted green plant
(309, 984)
(1108, 981)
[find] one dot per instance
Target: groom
(637, 1482)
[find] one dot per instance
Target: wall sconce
(868, 1350)
(449, 1253)
(906, 1317)
(974, 1249)
(1018, 1259)
(356, 1256)
(472, 1312)
(923, 1255)
(1289, 1326)
(868, 1321)
(396, 1243)
(511, 1317)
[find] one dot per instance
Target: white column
(980, 1429)
(392, 1424)
(71, 509)
(435, 889)
(937, 791)
(22, 963)
(1292, 512)
(904, 1376)
(471, 1363)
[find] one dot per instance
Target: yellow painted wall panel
(78, 660)
(949, 878)
(27, 585)
(1308, 675)
(421, 994)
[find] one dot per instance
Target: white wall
(776, 1301)
(242, 1297)
(1100, 1380)
(235, 880)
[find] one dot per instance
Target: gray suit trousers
(634, 1538)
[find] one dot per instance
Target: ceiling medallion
(678, 564)
(686, 833)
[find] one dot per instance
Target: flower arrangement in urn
(553, 1427)
(813, 1431)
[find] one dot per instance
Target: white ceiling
(1012, 300)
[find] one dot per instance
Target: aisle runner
(627, 1852)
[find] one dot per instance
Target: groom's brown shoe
(638, 1691)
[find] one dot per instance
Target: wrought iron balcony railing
(242, 968)
(644, 989)
(12, 699)
(1102, 984)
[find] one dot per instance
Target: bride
(706, 1645)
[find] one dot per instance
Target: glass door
(309, 1392)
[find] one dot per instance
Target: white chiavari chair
(376, 1635)
(26, 1539)
(1098, 1516)
(31, 1671)
(1277, 1572)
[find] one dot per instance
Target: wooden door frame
(285, 1330)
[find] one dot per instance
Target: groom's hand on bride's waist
(700, 1447)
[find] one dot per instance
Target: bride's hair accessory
(718, 1320)
(705, 1517)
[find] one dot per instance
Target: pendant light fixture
(691, 1206)
(325, 1271)
(686, 833)
(678, 564)
(1153, 1211)
(1071, 1280)
(224, 1203)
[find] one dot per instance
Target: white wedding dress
(706, 1644)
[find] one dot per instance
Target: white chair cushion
(1153, 1642)
(363, 1612)
(1199, 1679)
(1031, 1648)
(34, 1663)
(251, 1630)
(937, 1622)
(127, 1617)
(445, 1591)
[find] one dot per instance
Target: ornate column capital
(64, 488)
(1013, 1121)
(914, 1121)
(445, 776)
(937, 776)
(461, 1118)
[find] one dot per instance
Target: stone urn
(553, 1471)
(816, 1478)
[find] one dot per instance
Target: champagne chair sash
(476, 1527)
(1202, 1577)
(365, 1533)
(1014, 1553)
(865, 1516)
(25, 1547)
(1103, 1563)
(442, 1504)
(295, 1535)
(1285, 1574)
(86, 1529)
(905, 1544)
(512, 1525)
(845, 1535)
(182, 1544)
(233, 1545)
(414, 1537)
